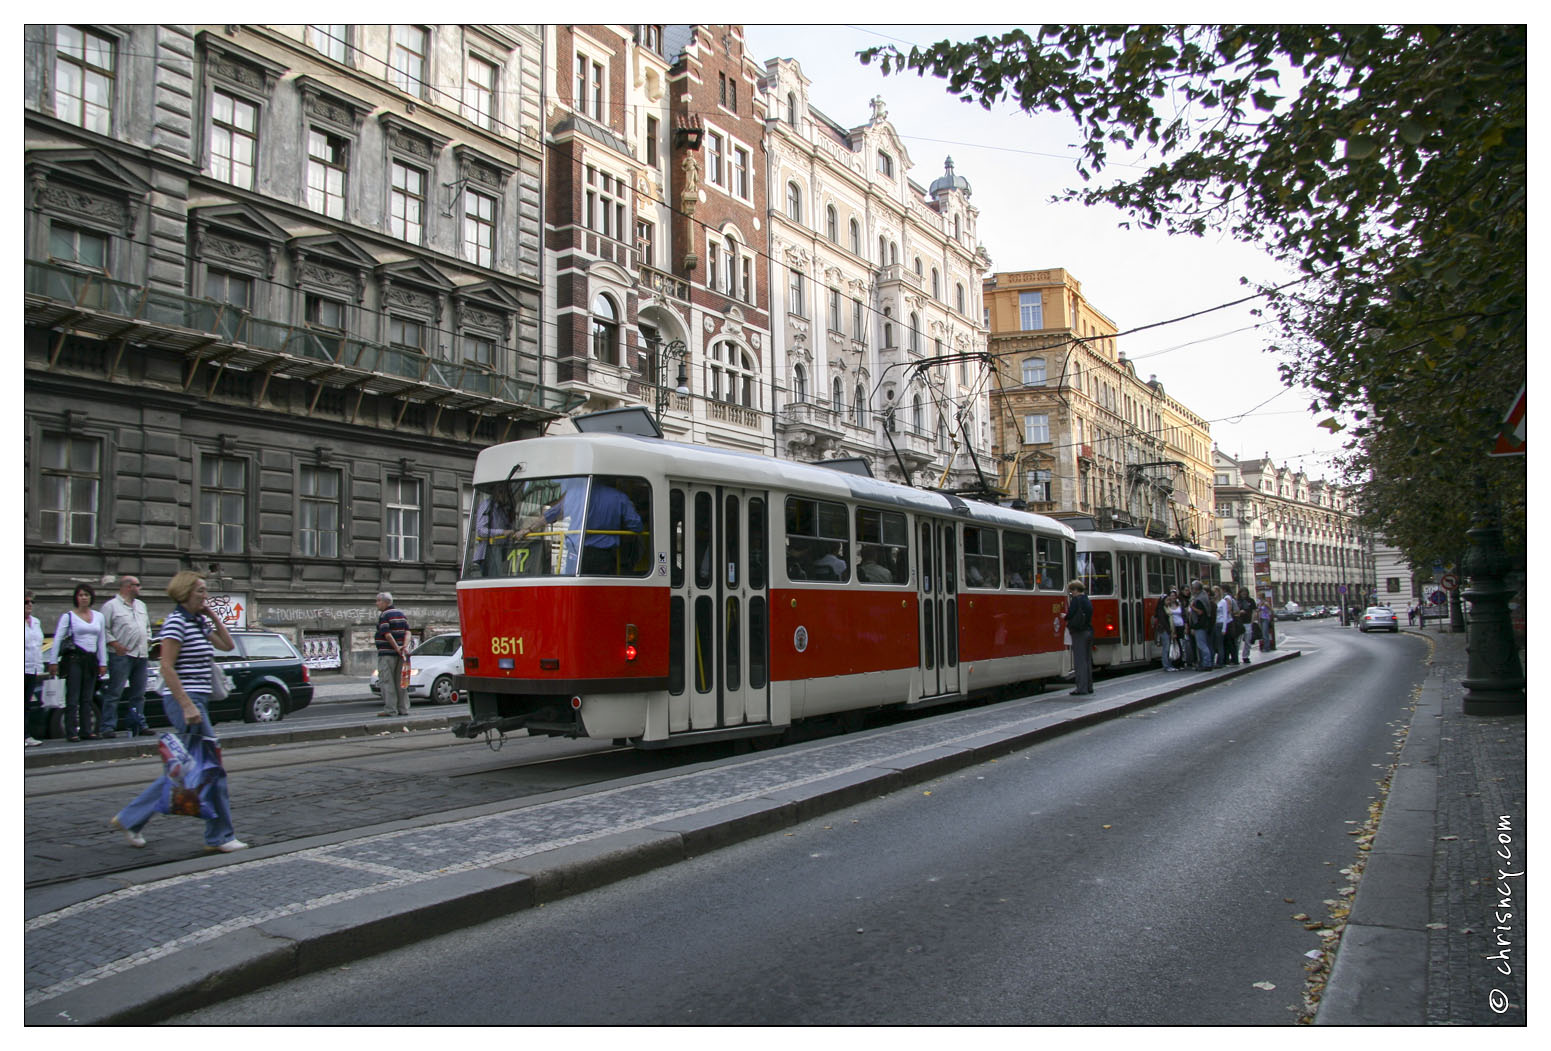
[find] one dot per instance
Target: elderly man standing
(392, 649)
(128, 627)
(1079, 625)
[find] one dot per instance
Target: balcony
(898, 274)
(812, 430)
(222, 337)
(660, 282)
(738, 415)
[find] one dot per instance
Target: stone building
(873, 280)
(281, 284)
(1076, 431)
(1291, 538)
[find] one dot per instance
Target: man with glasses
(128, 627)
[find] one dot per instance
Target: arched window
(917, 421)
(1033, 372)
(958, 297)
(799, 383)
(915, 333)
(893, 252)
(956, 229)
(942, 433)
(838, 395)
(832, 224)
(856, 237)
(859, 406)
(936, 285)
(794, 202)
(918, 266)
(883, 251)
(605, 330)
(729, 375)
(791, 107)
(888, 326)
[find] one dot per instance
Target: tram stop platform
(139, 947)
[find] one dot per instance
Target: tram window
(1097, 570)
(618, 539)
(818, 540)
(1018, 560)
(676, 645)
(703, 540)
(1051, 552)
(982, 566)
(758, 544)
(883, 545)
(519, 528)
(1154, 575)
(676, 535)
(705, 643)
(730, 556)
(1170, 575)
(758, 642)
(733, 649)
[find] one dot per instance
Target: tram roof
(561, 454)
(1090, 540)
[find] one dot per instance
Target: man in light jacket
(128, 627)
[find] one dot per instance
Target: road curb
(270, 952)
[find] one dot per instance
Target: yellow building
(1075, 431)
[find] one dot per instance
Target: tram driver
(611, 519)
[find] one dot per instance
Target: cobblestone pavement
(1482, 764)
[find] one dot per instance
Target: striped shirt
(194, 650)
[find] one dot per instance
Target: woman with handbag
(190, 636)
(81, 646)
(32, 668)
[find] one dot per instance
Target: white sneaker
(135, 838)
(29, 742)
(227, 847)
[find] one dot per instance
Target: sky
(1216, 364)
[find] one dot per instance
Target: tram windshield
(561, 527)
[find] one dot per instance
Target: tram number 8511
(510, 646)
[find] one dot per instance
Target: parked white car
(432, 664)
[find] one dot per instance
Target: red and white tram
(1127, 576)
(648, 591)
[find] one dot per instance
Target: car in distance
(1379, 618)
(266, 680)
(432, 665)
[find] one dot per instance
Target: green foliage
(1388, 163)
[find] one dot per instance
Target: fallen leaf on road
(1267, 986)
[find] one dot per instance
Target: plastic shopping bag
(193, 765)
(53, 693)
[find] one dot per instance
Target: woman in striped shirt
(190, 636)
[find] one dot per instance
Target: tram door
(937, 559)
(1133, 632)
(726, 635)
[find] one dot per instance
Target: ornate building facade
(1076, 431)
(281, 284)
(875, 298)
(1291, 538)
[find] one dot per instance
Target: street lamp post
(1494, 679)
(663, 355)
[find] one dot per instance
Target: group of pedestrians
(1210, 627)
(88, 644)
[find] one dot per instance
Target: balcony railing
(225, 335)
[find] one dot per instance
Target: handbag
(192, 766)
(404, 671)
(53, 693)
(218, 688)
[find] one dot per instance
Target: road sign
(1341, 590)
(1449, 582)
(1437, 598)
(1511, 440)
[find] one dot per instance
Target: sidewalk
(1436, 922)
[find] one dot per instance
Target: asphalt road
(1143, 871)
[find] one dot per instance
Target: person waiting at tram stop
(1201, 618)
(611, 518)
(1163, 630)
(1079, 625)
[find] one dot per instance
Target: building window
(795, 288)
(831, 223)
(885, 165)
(231, 289)
(479, 92)
(605, 203)
(919, 271)
(917, 421)
(605, 330)
(915, 333)
(402, 500)
(748, 278)
(651, 36)
(956, 229)
(888, 327)
(71, 481)
(834, 310)
(727, 92)
(328, 160)
(730, 276)
(799, 383)
(1033, 372)
(858, 321)
(1036, 428)
(646, 242)
(332, 41)
(233, 139)
(317, 512)
(83, 248)
(1031, 311)
(958, 297)
(406, 204)
(837, 393)
(730, 375)
(791, 108)
(740, 172)
(1039, 486)
(859, 406)
(589, 88)
(714, 150)
(652, 124)
(407, 58)
(223, 504)
(478, 350)
(406, 334)
(794, 202)
(479, 228)
(84, 78)
(856, 237)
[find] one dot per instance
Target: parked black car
(266, 680)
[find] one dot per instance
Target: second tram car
(653, 592)
(1127, 576)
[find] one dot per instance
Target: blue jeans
(1165, 642)
(142, 808)
(1203, 648)
(122, 668)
